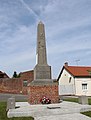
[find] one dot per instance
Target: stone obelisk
(42, 70)
(43, 84)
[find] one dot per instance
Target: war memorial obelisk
(42, 70)
(42, 85)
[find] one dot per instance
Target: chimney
(66, 64)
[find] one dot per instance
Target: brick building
(16, 85)
(26, 78)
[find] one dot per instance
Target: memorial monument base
(36, 91)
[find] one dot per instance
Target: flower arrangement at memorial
(45, 100)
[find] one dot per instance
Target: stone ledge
(42, 82)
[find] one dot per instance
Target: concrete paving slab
(41, 112)
(75, 116)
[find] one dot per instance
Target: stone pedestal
(37, 91)
(83, 100)
(42, 72)
(10, 103)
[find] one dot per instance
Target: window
(84, 86)
(25, 83)
(69, 79)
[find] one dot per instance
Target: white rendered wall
(75, 86)
(79, 82)
(66, 86)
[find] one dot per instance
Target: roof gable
(77, 71)
(3, 75)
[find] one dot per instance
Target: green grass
(89, 101)
(76, 100)
(71, 99)
(3, 114)
(88, 113)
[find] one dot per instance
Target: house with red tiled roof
(75, 80)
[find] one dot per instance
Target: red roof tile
(78, 71)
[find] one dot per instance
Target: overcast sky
(68, 33)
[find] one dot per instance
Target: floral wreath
(45, 100)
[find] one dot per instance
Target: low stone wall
(37, 92)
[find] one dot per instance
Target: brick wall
(36, 92)
(29, 76)
(15, 85)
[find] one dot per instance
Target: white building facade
(74, 80)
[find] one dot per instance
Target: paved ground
(75, 116)
(61, 111)
(18, 97)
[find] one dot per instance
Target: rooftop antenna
(77, 61)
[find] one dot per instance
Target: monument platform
(67, 111)
(38, 89)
